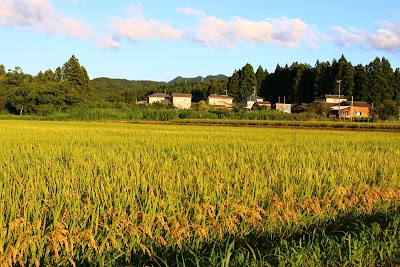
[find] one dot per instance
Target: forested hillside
(69, 85)
(209, 78)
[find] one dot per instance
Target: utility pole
(339, 81)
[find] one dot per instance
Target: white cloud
(139, 28)
(39, 15)
(142, 29)
(283, 32)
(385, 39)
(190, 11)
(108, 43)
(349, 37)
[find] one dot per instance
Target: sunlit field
(119, 194)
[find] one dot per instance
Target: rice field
(119, 194)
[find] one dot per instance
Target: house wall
(285, 108)
(332, 100)
(335, 100)
(155, 99)
(358, 112)
(364, 112)
(219, 101)
(182, 102)
(248, 103)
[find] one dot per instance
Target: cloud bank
(386, 38)
(283, 32)
(39, 15)
(210, 31)
(215, 32)
(137, 27)
(141, 29)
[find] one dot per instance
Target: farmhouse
(353, 109)
(181, 101)
(223, 101)
(282, 107)
(331, 99)
(159, 98)
(252, 100)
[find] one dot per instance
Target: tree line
(302, 83)
(60, 90)
(46, 92)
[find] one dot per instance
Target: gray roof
(251, 97)
(220, 96)
(336, 96)
(159, 95)
(355, 104)
(181, 95)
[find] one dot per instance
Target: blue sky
(159, 40)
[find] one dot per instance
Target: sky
(160, 40)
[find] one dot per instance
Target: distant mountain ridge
(104, 84)
(219, 77)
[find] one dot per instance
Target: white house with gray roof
(181, 101)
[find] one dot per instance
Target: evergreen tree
(247, 82)
(233, 85)
(75, 80)
(261, 75)
(86, 85)
(322, 72)
(397, 84)
(380, 81)
(75, 75)
(360, 83)
(344, 71)
(297, 72)
(308, 81)
(58, 74)
(3, 93)
(283, 84)
(39, 76)
(49, 76)
(388, 75)
(2, 70)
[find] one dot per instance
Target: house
(352, 109)
(282, 107)
(181, 101)
(252, 100)
(159, 98)
(223, 101)
(331, 99)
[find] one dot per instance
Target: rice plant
(110, 194)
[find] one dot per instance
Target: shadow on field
(349, 239)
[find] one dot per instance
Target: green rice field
(120, 194)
